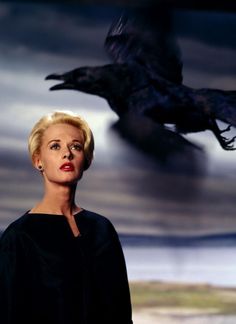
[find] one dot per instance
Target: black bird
(145, 80)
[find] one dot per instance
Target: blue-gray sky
(129, 188)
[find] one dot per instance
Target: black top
(47, 275)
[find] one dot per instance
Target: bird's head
(82, 79)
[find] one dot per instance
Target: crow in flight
(144, 82)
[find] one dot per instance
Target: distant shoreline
(173, 303)
(202, 298)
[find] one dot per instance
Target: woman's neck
(58, 200)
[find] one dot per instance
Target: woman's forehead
(61, 131)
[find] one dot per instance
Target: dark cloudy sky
(131, 189)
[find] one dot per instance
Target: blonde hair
(61, 117)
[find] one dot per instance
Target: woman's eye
(77, 147)
(55, 146)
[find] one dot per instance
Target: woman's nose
(67, 154)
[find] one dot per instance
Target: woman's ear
(37, 163)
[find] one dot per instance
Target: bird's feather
(144, 36)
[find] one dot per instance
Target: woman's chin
(68, 180)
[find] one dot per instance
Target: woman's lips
(67, 167)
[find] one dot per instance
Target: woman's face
(62, 154)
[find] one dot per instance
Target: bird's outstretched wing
(144, 36)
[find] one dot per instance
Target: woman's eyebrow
(54, 140)
(58, 140)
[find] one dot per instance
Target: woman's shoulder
(14, 230)
(97, 224)
(94, 217)
(96, 220)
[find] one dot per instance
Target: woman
(60, 263)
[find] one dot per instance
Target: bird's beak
(62, 86)
(54, 76)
